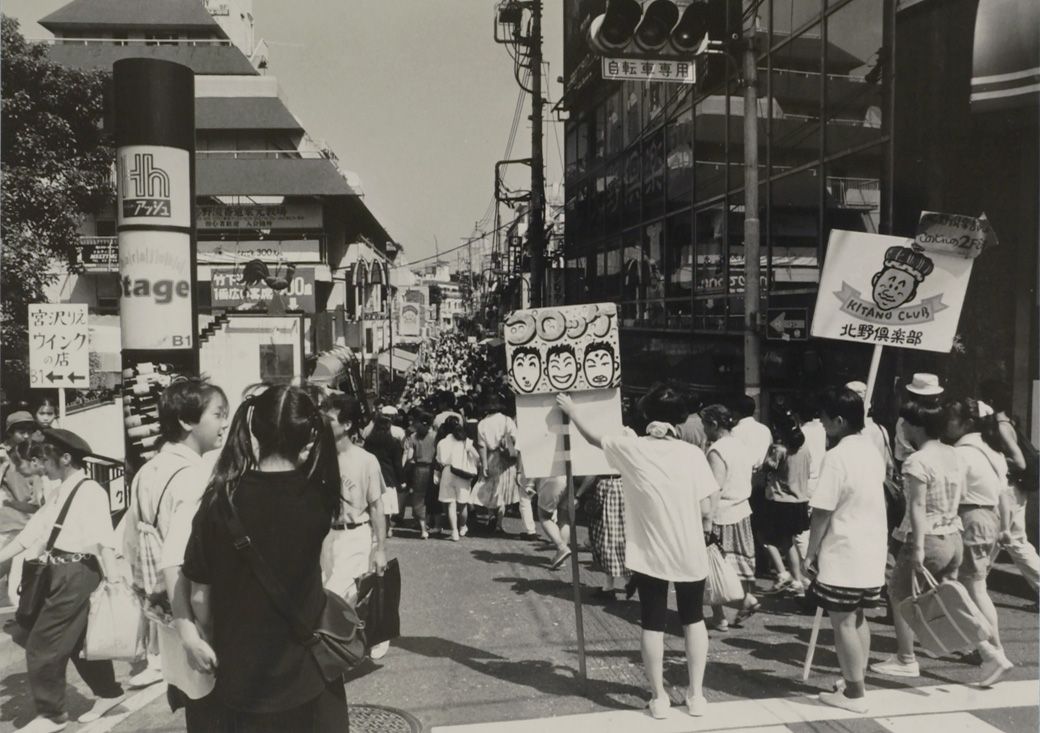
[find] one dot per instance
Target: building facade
(655, 192)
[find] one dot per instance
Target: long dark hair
(283, 419)
(966, 412)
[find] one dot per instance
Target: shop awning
(403, 360)
(244, 113)
(1006, 56)
(150, 15)
(223, 176)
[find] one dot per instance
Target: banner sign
(954, 234)
(886, 290)
(155, 297)
(565, 349)
(59, 345)
(154, 186)
(681, 72)
(228, 291)
(265, 250)
(295, 215)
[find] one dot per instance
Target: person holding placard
(670, 497)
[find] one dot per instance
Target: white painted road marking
(774, 714)
(127, 708)
(946, 722)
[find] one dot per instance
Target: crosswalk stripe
(127, 708)
(946, 722)
(775, 713)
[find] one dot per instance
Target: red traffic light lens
(691, 28)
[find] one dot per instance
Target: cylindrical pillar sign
(154, 119)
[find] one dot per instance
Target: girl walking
(458, 461)
(285, 494)
(732, 465)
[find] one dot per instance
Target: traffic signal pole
(536, 220)
(752, 290)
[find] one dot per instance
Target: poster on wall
(571, 349)
(228, 290)
(155, 290)
(890, 291)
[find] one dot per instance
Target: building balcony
(264, 154)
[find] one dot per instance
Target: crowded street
(512, 366)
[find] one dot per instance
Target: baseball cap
(19, 418)
(67, 440)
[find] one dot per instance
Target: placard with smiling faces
(563, 349)
(570, 349)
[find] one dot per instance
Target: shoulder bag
(943, 616)
(461, 463)
(337, 641)
(36, 573)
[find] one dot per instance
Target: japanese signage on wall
(889, 291)
(155, 295)
(954, 234)
(294, 215)
(681, 72)
(281, 250)
(154, 186)
(59, 345)
(228, 290)
(565, 349)
(570, 349)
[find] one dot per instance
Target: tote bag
(722, 585)
(943, 616)
(116, 625)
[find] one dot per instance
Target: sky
(414, 96)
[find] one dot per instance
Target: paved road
(489, 635)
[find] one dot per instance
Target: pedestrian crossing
(945, 708)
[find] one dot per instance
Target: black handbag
(380, 603)
(337, 641)
(36, 573)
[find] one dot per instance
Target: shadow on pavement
(544, 676)
(518, 558)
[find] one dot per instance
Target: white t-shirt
(986, 477)
(755, 436)
(816, 442)
(664, 482)
(734, 502)
(87, 526)
(851, 487)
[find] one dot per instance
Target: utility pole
(536, 219)
(752, 340)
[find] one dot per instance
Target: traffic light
(663, 28)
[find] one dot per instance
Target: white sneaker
(379, 650)
(145, 678)
(101, 706)
(993, 670)
(455, 537)
(839, 700)
(659, 707)
(42, 725)
(695, 705)
(892, 667)
(463, 531)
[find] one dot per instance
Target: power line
(465, 243)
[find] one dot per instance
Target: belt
(423, 465)
(349, 525)
(969, 507)
(60, 557)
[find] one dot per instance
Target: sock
(854, 690)
(909, 659)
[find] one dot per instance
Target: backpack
(150, 544)
(1027, 479)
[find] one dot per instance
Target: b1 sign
(883, 290)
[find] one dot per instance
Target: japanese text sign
(954, 234)
(564, 349)
(230, 292)
(682, 72)
(887, 291)
(59, 345)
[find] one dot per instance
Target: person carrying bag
(943, 616)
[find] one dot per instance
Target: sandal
(560, 558)
(745, 613)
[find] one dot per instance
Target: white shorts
(345, 555)
(454, 488)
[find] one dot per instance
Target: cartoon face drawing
(526, 368)
(561, 366)
(896, 283)
(600, 364)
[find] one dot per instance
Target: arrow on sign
(55, 377)
(75, 377)
(781, 323)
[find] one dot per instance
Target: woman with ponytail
(278, 471)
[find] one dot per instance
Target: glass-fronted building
(655, 192)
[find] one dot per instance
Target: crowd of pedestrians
(839, 513)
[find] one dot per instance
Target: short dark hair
(718, 415)
(744, 405)
(842, 402)
(563, 348)
(600, 346)
(663, 404)
(421, 416)
(929, 415)
(347, 408)
(185, 400)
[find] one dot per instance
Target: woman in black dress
(285, 496)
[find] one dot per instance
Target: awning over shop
(403, 360)
(1006, 58)
(244, 113)
(224, 176)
